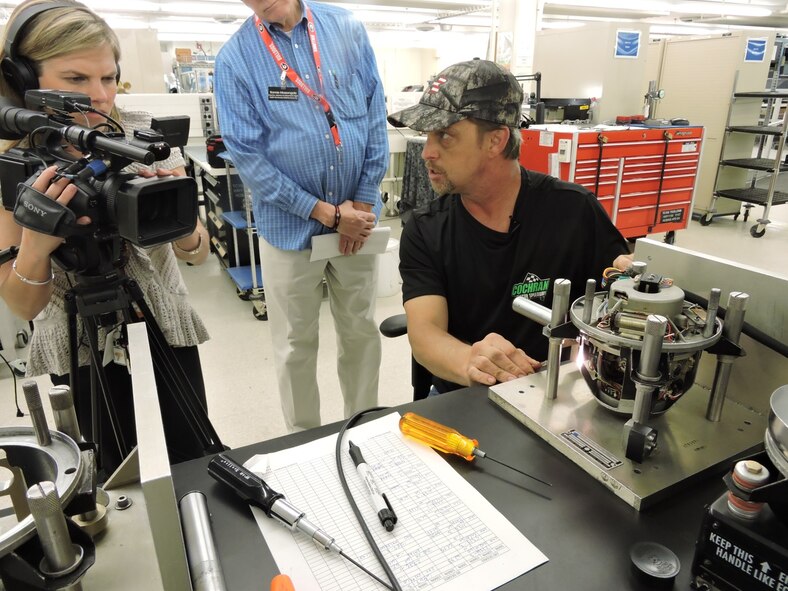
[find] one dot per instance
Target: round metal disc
(60, 462)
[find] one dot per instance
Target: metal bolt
(122, 502)
(753, 467)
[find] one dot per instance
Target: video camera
(145, 211)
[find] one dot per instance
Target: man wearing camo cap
(497, 231)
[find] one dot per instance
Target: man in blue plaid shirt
(302, 113)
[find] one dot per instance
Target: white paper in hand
(326, 246)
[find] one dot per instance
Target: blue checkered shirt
(283, 149)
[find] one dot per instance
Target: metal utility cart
(768, 159)
(248, 279)
(230, 224)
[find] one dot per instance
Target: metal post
(561, 289)
(731, 330)
(61, 556)
(648, 369)
(64, 413)
(36, 410)
(531, 310)
(711, 312)
(588, 301)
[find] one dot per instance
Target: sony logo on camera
(34, 208)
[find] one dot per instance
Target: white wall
(400, 66)
(581, 63)
(140, 60)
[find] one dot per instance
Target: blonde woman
(63, 45)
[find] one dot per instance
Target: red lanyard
(293, 75)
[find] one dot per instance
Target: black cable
(601, 140)
(82, 108)
(340, 471)
(19, 412)
(667, 137)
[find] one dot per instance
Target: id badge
(277, 93)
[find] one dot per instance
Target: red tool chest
(644, 177)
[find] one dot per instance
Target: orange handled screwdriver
(448, 440)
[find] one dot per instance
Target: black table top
(584, 529)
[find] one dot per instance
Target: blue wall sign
(756, 50)
(627, 44)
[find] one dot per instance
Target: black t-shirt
(558, 230)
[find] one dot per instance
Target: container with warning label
(736, 552)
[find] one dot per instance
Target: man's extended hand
(494, 359)
(355, 226)
(623, 261)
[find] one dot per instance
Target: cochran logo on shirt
(531, 287)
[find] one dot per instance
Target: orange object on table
(282, 583)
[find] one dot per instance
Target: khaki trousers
(293, 293)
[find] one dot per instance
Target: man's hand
(494, 359)
(623, 261)
(355, 226)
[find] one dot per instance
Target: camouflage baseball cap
(478, 89)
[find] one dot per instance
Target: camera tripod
(100, 300)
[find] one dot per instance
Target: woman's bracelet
(28, 281)
(190, 252)
(337, 217)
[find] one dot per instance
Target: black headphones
(20, 72)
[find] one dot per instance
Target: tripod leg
(93, 431)
(98, 369)
(178, 383)
(90, 431)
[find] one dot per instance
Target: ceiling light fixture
(225, 19)
(188, 38)
(681, 30)
(624, 5)
(405, 18)
(194, 27)
(722, 9)
(567, 24)
(115, 6)
(206, 8)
